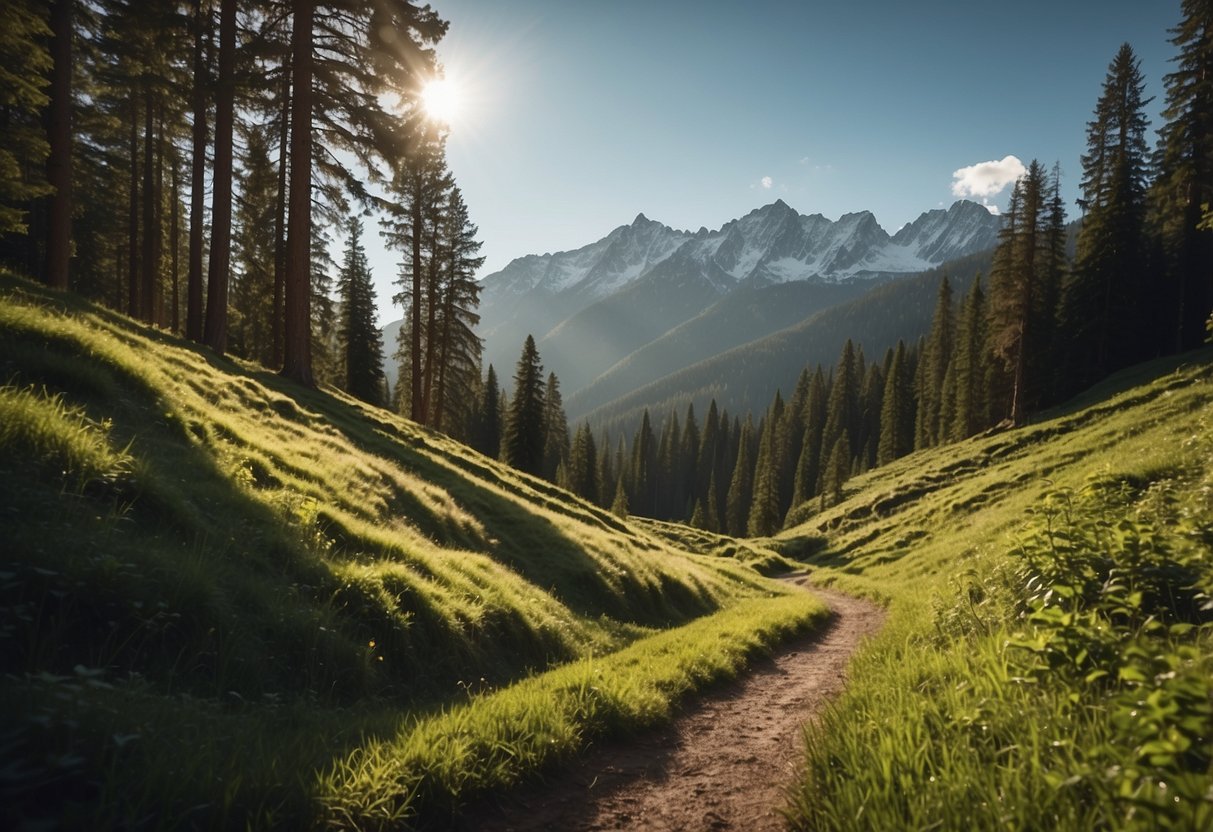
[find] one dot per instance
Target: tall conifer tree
(524, 429)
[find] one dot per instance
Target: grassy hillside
(746, 377)
(226, 600)
(1048, 661)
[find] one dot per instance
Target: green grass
(1048, 655)
(226, 600)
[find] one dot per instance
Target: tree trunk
(132, 217)
(415, 404)
(158, 221)
(215, 335)
(297, 343)
(277, 314)
(148, 287)
(193, 292)
(59, 135)
(174, 247)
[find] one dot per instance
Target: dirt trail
(724, 764)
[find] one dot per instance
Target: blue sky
(578, 115)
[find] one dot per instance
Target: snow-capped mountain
(772, 244)
(591, 307)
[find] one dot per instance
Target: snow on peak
(770, 244)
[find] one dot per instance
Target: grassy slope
(226, 599)
(970, 726)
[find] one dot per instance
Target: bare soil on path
(724, 764)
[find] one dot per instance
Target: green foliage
(24, 65)
(1063, 680)
(200, 555)
(357, 331)
(525, 428)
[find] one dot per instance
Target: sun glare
(441, 100)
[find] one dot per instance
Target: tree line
(1140, 285)
(192, 163)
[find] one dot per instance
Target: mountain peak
(641, 219)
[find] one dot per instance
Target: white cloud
(993, 209)
(767, 182)
(986, 179)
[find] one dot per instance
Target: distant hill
(746, 377)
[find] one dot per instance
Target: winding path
(724, 764)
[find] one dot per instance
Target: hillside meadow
(231, 601)
(1048, 659)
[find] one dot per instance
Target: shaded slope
(746, 377)
(198, 554)
(745, 315)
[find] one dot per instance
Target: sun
(441, 100)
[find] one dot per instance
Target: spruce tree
(524, 430)
(1026, 271)
(938, 353)
(25, 63)
(971, 407)
(765, 515)
(837, 469)
(897, 411)
(808, 464)
(358, 332)
(642, 494)
(842, 412)
(1184, 184)
(555, 429)
(741, 488)
(491, 417)
(619, 505)
(583, 465)
(1106, 297)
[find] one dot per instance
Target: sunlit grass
(946, 722)
(217, 586)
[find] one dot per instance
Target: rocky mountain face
(593, 307)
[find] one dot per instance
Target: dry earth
(724, 764)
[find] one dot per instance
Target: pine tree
(689, 457)
(606, 471)
(1025, 273)
(555, 429)
(897, 411)
(491, 417)
(25, 63)
(935, 360)
(765, 515)
(460, 348)
(583, 462)
(709, 455)
(619, 505)
(59, 143)
(524, 430)
(215, 325)
(363, 50)
(358, 331)
(871, 401)
(254, 243)
(791, 439)
(808, 464)
(837, 470)
(741, 489)
(1106, 297)
(842, 413)
(642, 494)
(711, 510)
(971, 404)
(1184, 184)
